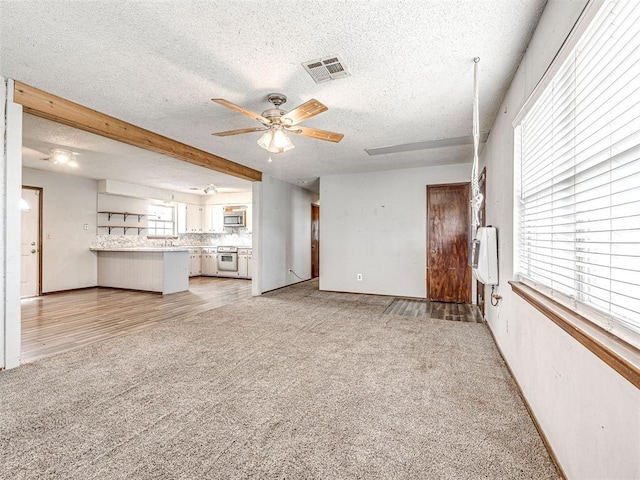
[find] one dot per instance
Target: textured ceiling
(100, 158)
(157, 65)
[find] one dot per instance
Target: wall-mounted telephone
(484, 256)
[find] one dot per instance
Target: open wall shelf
(124, 227)
(125, 215)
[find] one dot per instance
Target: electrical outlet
(359, 277)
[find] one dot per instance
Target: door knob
(433, 252)
(33, 244)
(33, 250)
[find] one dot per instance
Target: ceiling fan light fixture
(275, 141)
(265, 140)
(280, 140)
(276, 123)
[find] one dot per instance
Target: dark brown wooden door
(448, 225)
(315, 241)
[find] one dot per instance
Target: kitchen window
(578, 153)
(161, 221)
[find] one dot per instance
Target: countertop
(180, 248)
(216, 246)
(139, 249)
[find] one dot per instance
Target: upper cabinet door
(194, 218)
(214, 219)
(182, 219)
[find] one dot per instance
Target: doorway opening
(315, 240)
(31, 242)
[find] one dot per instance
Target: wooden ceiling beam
(42, 104)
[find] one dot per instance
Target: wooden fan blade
(315, 133)
(237, 132)
(243, 111)
(307, 110)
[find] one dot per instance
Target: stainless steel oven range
(228, 259)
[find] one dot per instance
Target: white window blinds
(579, 147)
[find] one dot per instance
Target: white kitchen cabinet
(249, 218)
(209, 262)
(214, 220)
(181, 218)
(242, 265)
(195, 262)
(244, 262)
(205, 263)
(194, 214)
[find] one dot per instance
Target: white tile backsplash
(239, 239)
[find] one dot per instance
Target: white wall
(114, 187)
(237, 198)
(68, 203)
(589, 413)
(282, 234)
(10, 217)
(375, 224)
(3, 218)
(119, 203)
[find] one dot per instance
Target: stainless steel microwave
(235, 219)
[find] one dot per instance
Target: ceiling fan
(276, 123)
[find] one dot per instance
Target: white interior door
(30, 257)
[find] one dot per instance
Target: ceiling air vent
(325, 69)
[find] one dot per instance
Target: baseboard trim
(68, 290)
(547, 445)
(286, 286)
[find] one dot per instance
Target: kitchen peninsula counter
(153, 269)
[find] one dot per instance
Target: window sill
(619, 355)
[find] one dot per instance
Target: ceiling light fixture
(275, 140)
(211, 188)
(61, 156)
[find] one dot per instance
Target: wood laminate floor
(60, 322)
(457, 312)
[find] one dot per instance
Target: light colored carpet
(296, 384)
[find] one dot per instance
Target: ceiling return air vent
(325, 69)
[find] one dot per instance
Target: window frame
(173, 222)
